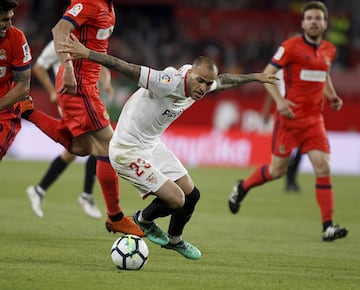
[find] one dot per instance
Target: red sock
(50, 126)
(325, 198)
(259, 176)
(109, 182)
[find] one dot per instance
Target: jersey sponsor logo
(74, 11)
(2, 71)
(171, 114)
(104, 33)
(163, 78)
(313, 75)
(279, 53)
(2, 54)
(27, 54)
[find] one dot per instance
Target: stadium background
(242, 36)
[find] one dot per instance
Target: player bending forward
(136, 151)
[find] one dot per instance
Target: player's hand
(283, 106)
(74, 47)
(69, 84)
(267, 78)
(336, 103)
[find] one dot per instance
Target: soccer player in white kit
(136, 151)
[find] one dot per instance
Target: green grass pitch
(274, 242)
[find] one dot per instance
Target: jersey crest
(2, 54)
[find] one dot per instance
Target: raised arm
(228, 81)
(78, 51)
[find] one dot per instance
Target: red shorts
(84, 112)
(9, 128)
(312, 137)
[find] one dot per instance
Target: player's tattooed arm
(23, 78)
(78, 51)
(19, 91)
(131, 71)
(228, 81)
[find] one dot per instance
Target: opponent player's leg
(86, 198)
(98, 144)
(36, 193)
(325, 195)
(262, 174)
(291, 173)
(50, 126)
(9, 129)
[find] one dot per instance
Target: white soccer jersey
(153, 107)
(136, 151)
(48, 58)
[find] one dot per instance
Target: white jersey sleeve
(159, 101)
(162, 83)
(48, 58)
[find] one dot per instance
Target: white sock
(142, 220)
(40, 190)
(175, 239)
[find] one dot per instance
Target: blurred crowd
(150, 32)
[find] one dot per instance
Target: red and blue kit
(15, 55)
(94, 23)
(306, 67)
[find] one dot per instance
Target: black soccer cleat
(236, 196)
(334, 232)
(292, 187)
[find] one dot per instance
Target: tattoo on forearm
(227, 81)
(129, 70)
(22, 77)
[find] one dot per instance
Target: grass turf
(274, 242)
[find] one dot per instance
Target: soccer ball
(129, 252)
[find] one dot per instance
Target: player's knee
(192, 198)
(277, 173)
(67, 156)
(177, 202)
(323, 170)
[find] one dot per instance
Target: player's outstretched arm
(79, 51)
(228, 81)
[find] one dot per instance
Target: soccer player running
(136, 150)
(85, 128)
(291, 184)
(15, 72)
(306, 60)
(49, 60)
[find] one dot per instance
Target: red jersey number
(139, 166)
